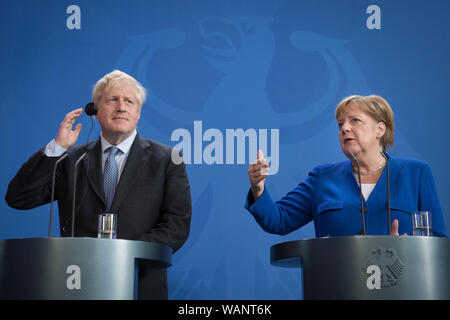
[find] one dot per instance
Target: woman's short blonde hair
(376, 107)
(114, 78)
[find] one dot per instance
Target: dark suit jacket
(152, 199)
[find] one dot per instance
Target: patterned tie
(110, 175)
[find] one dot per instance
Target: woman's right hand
(257, 173)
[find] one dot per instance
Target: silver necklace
(370, 172)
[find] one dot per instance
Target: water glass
(107, 225)
(421, 223)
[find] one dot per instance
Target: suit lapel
(140, 153)
(93, 165)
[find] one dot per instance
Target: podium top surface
(290, 254)
(152, 254)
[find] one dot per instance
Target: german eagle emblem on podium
(386, 267)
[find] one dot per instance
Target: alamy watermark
(234, 147)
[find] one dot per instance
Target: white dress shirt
(121, 157)
(367, 189)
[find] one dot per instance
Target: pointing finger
(260, 155)
(394, 229)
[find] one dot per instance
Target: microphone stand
(363, 231)
(75, 191)
(52, 197)
(388, 191)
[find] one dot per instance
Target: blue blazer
(330, 197)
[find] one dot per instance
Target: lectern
(369, 267)
(76, 268)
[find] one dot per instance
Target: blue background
(231, 64)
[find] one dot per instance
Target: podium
(76, 268)
(369, 267)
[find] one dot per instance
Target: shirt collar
(124, 146)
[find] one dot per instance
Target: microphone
(52, 197)
(75, 191)
(363, 231)
(388, 191)
(90, 109)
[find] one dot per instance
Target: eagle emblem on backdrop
(233, 68)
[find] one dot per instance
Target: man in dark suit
(150, 194)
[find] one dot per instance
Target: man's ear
(140, 110)
(96, 111)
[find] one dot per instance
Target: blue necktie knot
(112, 151)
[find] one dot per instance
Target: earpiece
(90, 109)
